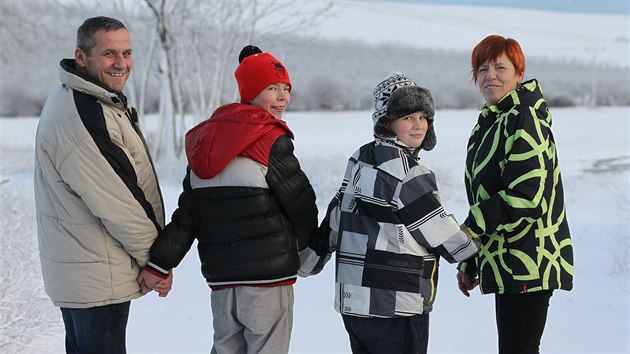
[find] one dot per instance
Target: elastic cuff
(156, 270)
(470, 226)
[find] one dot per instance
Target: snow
(601, 38)
(592, 318)
(593, 150)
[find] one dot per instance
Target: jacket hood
(231, 129)
(528, 93)
(79, 81)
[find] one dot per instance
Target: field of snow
(594, 153)
(593, 318)
(601, 38)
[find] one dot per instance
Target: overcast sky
(590, 6)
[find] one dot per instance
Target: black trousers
(399, 335)
(521, 321)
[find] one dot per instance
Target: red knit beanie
(258, 71)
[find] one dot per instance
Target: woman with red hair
(516, 199)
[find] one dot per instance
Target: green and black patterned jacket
(516, 199)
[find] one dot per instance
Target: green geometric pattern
(516, 198)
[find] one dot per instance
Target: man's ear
(80, 57)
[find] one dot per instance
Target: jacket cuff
(468, 266)
(156, 270)
(474, 230)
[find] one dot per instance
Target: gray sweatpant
(252, 319)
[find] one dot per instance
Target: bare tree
(272, 17)
(197, 42)
(14, 22)
(166, 113)
(144, 80)
(171, 24)
(24, 28)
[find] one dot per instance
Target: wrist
(156, 270)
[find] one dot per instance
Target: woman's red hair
(491, 47)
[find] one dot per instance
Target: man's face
(109, 62)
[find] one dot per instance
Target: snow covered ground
(600, 38)
(594, 153)
(593, 318)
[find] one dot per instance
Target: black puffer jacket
(245, 199)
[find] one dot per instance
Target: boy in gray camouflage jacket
(388, 228)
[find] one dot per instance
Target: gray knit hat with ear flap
(394, 80)
(398, 96)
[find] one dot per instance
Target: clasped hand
(149, 281)
(466, 282)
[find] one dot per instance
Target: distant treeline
(326, 74)
(341, 75)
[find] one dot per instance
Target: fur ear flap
(430, 139)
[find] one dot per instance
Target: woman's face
(411, 129)
(496, 78)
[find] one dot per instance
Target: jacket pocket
(391, 271)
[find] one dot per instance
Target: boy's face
(274, 99)
(411, 129)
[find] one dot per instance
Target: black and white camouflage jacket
(389, 229)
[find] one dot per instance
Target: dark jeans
(521, 320)
(96, 330)
(403, 335)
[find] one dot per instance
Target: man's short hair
(85, 33)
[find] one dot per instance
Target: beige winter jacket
(99, 206)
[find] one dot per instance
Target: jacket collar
(77, 80)
(412, 152)
(528, 93)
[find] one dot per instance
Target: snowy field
(600, 38)
(593, 318)
(594, 153)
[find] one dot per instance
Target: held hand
(143, 287)
(465, 230)
(147, 281)
(164, 286)
(465, 283)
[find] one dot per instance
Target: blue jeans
(403, 335)
(96, 330)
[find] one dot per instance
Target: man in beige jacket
(99, 206)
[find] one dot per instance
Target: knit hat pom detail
(247, 51)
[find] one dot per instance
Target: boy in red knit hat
(251, 208)
(256, 71)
